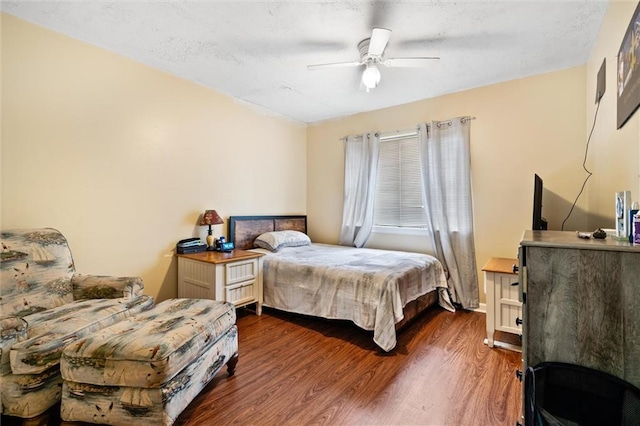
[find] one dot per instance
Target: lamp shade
(210, 217)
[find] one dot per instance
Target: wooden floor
(295, 370)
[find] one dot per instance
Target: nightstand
(504, 310)
(227, 277)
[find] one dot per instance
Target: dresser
(581, 302)
(234, 277)
(504, 310)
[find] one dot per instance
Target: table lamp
(210, 217)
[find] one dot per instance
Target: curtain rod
(463, 120)
(398, 134)
(411, 132)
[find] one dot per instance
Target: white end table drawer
(241, 271)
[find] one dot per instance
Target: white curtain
(446, 171)
(360, 172)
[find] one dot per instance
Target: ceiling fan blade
(333, 65)
(378, 42)
(409, 62)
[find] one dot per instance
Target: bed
(378, 290)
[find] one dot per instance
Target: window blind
(399, 201)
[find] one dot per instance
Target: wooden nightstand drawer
(242, 293)
(237, 272)
(507, 307)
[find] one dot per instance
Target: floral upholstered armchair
(45, 305)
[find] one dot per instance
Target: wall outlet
(601, 81)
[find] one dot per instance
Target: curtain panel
(446, 172)
(360, 174)
(444, 149)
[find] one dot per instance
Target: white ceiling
(257, 51)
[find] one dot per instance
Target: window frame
(391, 229)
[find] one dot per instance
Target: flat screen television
(539, 222)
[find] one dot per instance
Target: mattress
(369, 287)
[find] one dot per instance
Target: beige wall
(533, 125)
(614, 155)
(122, 158)
(526, 126)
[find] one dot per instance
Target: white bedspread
(369, 287)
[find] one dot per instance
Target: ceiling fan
(371, 54)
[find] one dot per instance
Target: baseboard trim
(503, 345)
(482, 308)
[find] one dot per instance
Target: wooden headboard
(243, 230)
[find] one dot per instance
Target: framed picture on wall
(628, 76)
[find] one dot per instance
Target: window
(399, 201)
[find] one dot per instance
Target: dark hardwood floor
(295, 370)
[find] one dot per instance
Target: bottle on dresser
(636, 228)
(634, 209)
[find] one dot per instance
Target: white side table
(504, 310)
(227, 277)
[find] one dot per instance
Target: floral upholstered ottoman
(148, 368)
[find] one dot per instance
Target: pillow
(275, 240)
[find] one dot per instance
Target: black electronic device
(189, 241)
(539, 222)
(189, 250)
(190, 245)
(221, 244)
(226, 246)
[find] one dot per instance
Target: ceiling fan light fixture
(372, 51)
(371, 76)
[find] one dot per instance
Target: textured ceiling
(258, 51)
